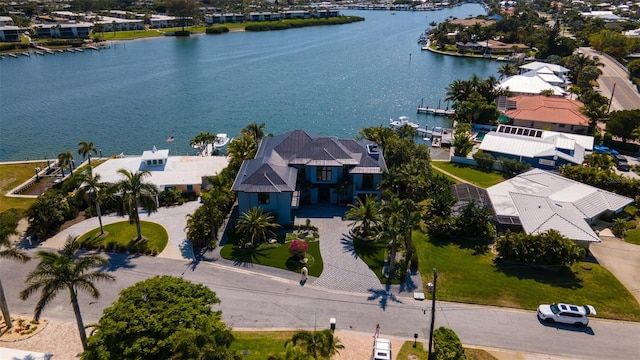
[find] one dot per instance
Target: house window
(263, 198)
(155, 162)
(323, 173)
(367, 181)
(561, 125)
(149, 162)
(160, 162)
(189, 187)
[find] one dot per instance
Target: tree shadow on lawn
(360, 248)
(560, 277)
(246, 256)
(479, 247)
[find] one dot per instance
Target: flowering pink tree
(298, 248)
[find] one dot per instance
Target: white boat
(221, 140)
(402, 120)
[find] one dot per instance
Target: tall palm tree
(7, 228)
(317, 343)
(255, 225)
(65, 159)
(85, 149)
(240, 149)
(65, 270)
(366, 215)
(255, 132)
(134, 192)
(92, 186)
(507, 69)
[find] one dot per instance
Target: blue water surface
(331, 80)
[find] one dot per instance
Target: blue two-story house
(300, 168)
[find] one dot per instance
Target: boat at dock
(26, 53)
(71, 50)
(12, 55)
(402, 121)
(49, 52)
(222, 140)
(39, 52)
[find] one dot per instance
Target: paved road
(285, 304)
(625, 96)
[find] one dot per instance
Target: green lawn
(12, 175)
(468, 274)
(275, 255)
(259, 344)
(408, 352)
(438, 172)
(128, 35)
(122, 234)
(471, 174)
(633, 236)
(374, 254)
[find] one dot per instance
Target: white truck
(381, 349)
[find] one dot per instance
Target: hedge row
(217, 30)
(298, 23)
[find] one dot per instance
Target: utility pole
(611, 99)
(433, 310)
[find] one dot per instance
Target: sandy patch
(58, 338)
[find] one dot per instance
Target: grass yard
(259, 344)
(469, 275)
(374, 254)
(472, 174)
(120, 236)
(12, 175)
(128, 35)
(275, 255)
(408, 352)
(633, 236)
(439, 172)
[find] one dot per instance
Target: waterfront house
(538, 148)
(546, 113)
(8, 31)
(64, 30)
(534, 82)
(109, 24)
(537, 201)
(185, 173)
(299, 167)
(162, 21)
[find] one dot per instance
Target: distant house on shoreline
(546, 113)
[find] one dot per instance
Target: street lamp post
(433, 309)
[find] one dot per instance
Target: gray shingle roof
(270, 171)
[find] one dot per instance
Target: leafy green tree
(162, 317)
(634, 68)
(366, 216)
(602, 161)
(48, 212)
(379, 134)
(476, 222)
(240, 149)
(549, 248)
(513, 167)
(407, 131)
(65, 270)
(318, 344)
(623, 123)
(447, 345)
(133, 193)
(595, 107)
(183, 10)
(256, 225)
(8, 225)
(484, 160)
(86, 149)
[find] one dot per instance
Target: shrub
(183, 33)
(447, 345)
(484, 160)
(549, 248)
(619, 227)
(513, 167)
(298, 248)
(217, 30)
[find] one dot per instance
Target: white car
(566, 313)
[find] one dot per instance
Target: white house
(539, 200)
(186, 173)
(8, 31)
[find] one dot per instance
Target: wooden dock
(434, 111)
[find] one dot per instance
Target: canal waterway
(331, 80)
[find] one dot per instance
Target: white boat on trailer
(402, 120)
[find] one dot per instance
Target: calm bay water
(330, 80)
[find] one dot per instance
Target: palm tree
(202, 140)
(85, 149)
(8, 228)
(507, 69)
(65, 159)
(242, 148)
(255, 132)
(366, 215)
(135, 192)
(317, 343)
(255, 225)
(65, 270)
(92, 186)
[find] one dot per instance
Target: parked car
(381, 349)
(621, 162)
(566, 313)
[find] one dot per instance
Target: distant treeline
(298, 23)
